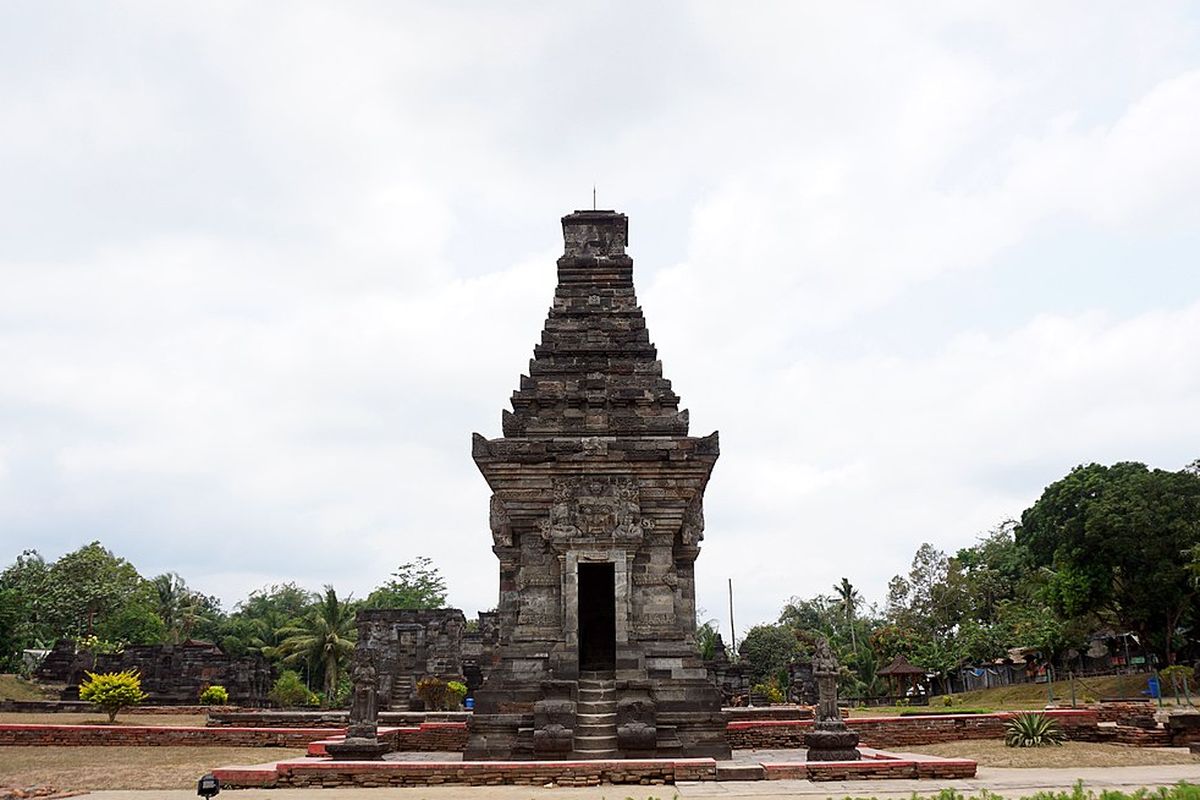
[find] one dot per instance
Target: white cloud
(266, 268)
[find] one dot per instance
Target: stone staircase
(403, 688)
(596, 716)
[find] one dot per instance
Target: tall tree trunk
(331, 677)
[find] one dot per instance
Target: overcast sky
(264, 267)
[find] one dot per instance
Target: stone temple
(597, 514)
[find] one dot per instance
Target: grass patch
(994, 753)
(1033, 695)
(14, 687)
(94, 768)
(1180, 791)
(930, 712)
(98, 718)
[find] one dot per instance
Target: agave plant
(1032, 730)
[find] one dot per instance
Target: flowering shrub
(112, 692)
(214, 695)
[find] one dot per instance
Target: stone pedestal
(831, 740)
(356, 749)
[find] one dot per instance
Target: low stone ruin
(404, 646)
(171, 674)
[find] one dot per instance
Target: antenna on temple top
(593, 197)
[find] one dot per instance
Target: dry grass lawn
(65, 718)
(75, 768)
(13, 687)
(992, 753)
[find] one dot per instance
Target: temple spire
(595, 371)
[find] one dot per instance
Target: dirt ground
(21, 718)
(74, 768)
(992, 753)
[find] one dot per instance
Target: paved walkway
(1011, 783)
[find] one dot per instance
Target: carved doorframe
(569, 569)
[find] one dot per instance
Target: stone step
(595, 730)
(597, 718)
(596, 686)
(597, 694)
(595, 755)
(596, 675)
(740, 772)
(596, 742)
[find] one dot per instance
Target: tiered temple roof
(595, 372)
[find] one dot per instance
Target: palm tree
(850, 599)
(176, 604)
(325, 636)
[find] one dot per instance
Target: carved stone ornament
(500, 523)
(692, 531)
(595, 509)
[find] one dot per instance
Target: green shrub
(1177, 671)
(290, 692)
(768, 690)
(434, 692)
(214, 695)
(455, 691)
(1032, 730)
(112, 692)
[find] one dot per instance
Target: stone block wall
(897, 733)
(406, 645)
(170, 674)
(562, 773)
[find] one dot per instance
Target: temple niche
(596, 517)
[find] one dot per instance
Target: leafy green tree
(85, 586)
(324, 637)
(23, 621)
(818, 617)
(1112, 538)
(889, 641)
(415, 585)
(931, 599)
(995, 570)
(255, 624)
(767, 650)
(977, 642)
(135, 622)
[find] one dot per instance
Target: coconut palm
(850, 598)
(325, 636)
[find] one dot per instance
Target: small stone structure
(597, 514)
(734, 681)
(403, 646)
(171, 674)
(481, 650)
(830, 739)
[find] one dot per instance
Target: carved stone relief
(595, 509)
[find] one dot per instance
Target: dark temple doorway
(597, 618)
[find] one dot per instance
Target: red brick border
(155, 736)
